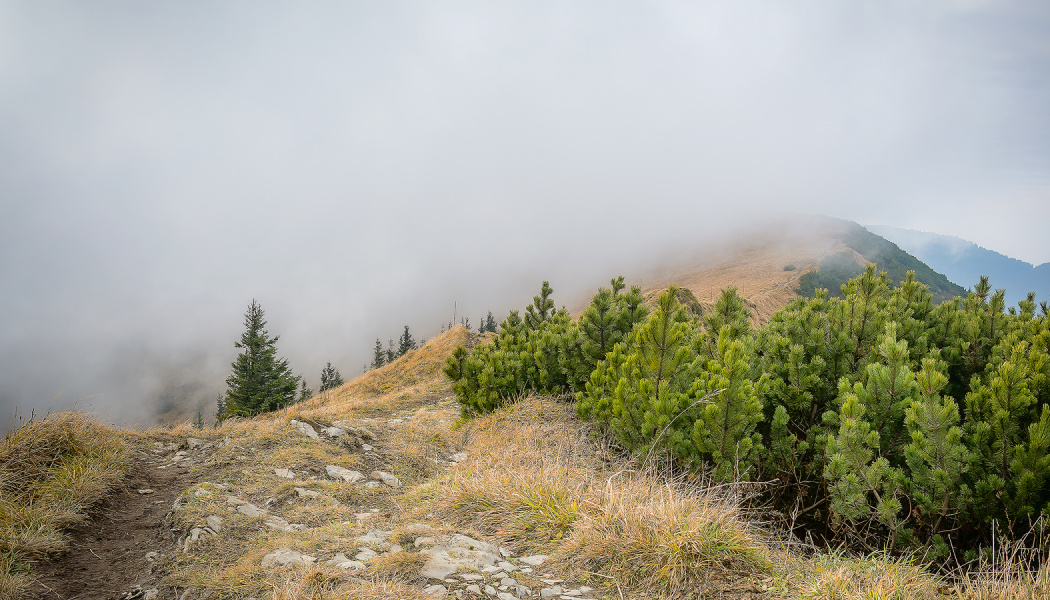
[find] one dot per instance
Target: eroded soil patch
(109, 556)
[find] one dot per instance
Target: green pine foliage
(651, 378)
(725, 430)
(330, 378)
(527, 355)
(406, 342)
(884, 419)
(260, 382)
(378, 356)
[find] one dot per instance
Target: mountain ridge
(964, 262)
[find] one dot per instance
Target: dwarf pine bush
(885, 419)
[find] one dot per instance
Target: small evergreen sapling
(330, 378)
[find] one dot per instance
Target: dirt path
(109, 557)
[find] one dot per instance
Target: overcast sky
(361, 166)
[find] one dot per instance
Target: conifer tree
(378, 357)
(541, 309)
(724, 430)
(391, 351)
(937, 455)
(606, 322)
(645, 387)
(406, 343)
(220, 409)
(330, 378)
(260, 382)
(490, 323)
(305, 393)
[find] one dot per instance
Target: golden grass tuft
(535, 480)
(51, 472)
(400, 567)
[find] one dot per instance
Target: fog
(356, 167)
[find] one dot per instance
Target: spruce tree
(260, 381)
(379, 357)
(406, 343)
(330, 378)
(305, 393)
(391, 352)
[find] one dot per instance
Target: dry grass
(407, 406)
(537, 483)
(398, 385)
(51, 472)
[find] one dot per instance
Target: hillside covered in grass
(397, 485)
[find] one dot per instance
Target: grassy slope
(536, 481)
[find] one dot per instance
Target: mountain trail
(113, 555)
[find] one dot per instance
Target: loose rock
(286, 556)
(345, 474)
(305, 493)
(285, 473)
(387, 478)
(306, 429)
(215, 522)
(458, 551)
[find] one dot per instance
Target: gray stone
(373, 485)
(215, 522)
(507, 581)
(334, 432)
(506, 566)
(282, 525)
(550, 592)
(366, 555)
(306, 429)
(285, 473)
(374, 537)
(194, 442)
(345, 474)
(387, 478)
(250, 510)
(305, 493)
(474, 588)
(535, 560)
(506, 596)
(458, 551)
(522, 591)
(458, 457)
(471, 577)
(435, 591)
(419, 528)
(286, 556)
(340, 561)
(491, 591)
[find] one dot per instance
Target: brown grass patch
(537, 482)
(51, 472)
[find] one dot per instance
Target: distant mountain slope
(769, 265)
(871, 248)
(964, 262)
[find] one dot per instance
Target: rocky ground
(244, 510)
